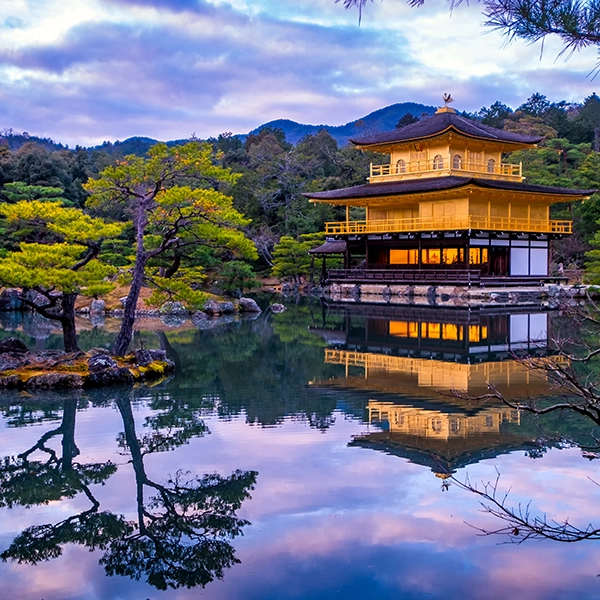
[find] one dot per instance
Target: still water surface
(329, 436)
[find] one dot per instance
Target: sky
(85, 71)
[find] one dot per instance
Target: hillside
(383, 119)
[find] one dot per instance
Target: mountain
(383, 119)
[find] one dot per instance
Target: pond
(324, 452)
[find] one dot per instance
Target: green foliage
(58, 266)
(185, 222)
(16, 191)
(179, 288)
(495, 115)
(291, 259)
(237, 276)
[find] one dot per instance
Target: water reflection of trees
(183, 526)
(576, 380)
(260, 368)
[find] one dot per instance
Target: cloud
(165, 68)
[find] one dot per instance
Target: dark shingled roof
(440, 122)
(434, 184)
(330, 247)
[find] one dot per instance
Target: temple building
(445, 210)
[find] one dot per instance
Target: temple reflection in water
(423, 368)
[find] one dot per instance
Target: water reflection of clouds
(332, 521)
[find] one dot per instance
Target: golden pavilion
(445, 210)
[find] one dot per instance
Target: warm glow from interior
(404, 257)
(404, 329)
(431, 256)
(478, 256)
(450, 331)
(446, 331)
(477, 333)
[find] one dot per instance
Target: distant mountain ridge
(383, 119)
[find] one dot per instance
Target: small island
(21, 368)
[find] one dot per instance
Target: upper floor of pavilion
(445, 144)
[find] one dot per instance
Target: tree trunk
(69, 448)
(68, 323)
(137, 458)
(126, 332)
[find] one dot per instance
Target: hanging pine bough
(50, 275)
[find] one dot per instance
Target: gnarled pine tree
(175, 210)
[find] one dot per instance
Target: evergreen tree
(51, 275)
(175, 210)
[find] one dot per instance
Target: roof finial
(447, 99)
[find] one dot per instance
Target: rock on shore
(55, 369)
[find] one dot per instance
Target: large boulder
(109, 377)
(55, 380)
(9, 300)
(159, 355)
(97, 307)
(9, 362)
(12, 344)
(249, 305)
(143, 357)
(37, 298)
(101, 362)
(173, 308)
(212, 307)
(227, 308)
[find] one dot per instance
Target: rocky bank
(21, 368)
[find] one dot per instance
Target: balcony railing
(447, 224)
(443, 167)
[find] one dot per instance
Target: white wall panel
(519, 261)
(539, 261)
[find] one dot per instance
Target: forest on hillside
(270, 174)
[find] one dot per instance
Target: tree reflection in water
(182, 531)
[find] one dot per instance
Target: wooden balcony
(449, 224)
(444, 167)
(437, 276)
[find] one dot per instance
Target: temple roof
(434, 184)
(330, 247)
(441, 122)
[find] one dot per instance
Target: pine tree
(58, 271)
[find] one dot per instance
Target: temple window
(475, 159)
(478, 256)
(437, 425)
(438, 162)
(431, 256)
(457, 161)
(452, 256)
(404, 257)
(404, 329)
(418, 160)
(452, 332)
(400, 166)
(439, 256)
(491, 165)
